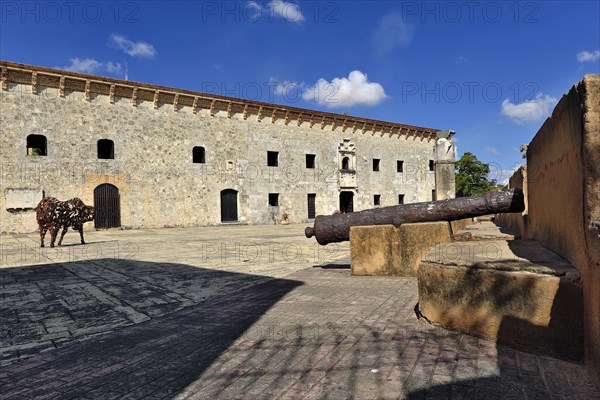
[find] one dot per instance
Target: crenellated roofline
(159, 95)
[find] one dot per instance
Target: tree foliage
(471, 176)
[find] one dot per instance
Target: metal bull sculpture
(336, 228)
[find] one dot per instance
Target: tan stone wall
(591, 197)
(563, 179)
(517, 221)
(555, 179)
(158, 183)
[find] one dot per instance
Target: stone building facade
(149, 156)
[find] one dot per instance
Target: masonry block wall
(563, 191)
(154, 131)
(518, 221)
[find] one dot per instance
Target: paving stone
(133, 329)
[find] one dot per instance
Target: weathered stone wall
(160, 186)
(518, 221)
(563, 190)
(591, 218)
(555, 180)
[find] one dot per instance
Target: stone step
(487, 230)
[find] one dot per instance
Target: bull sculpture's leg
(43, 230)
(62, 235)
(81, 234)
(53, 232)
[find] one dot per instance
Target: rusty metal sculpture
(336, 228)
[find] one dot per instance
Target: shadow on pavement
(514, 375)
(333, 266)
(128, 327)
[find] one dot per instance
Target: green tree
(471, 176)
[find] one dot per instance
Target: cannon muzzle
(336, 228)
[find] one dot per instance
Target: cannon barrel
(336, 228)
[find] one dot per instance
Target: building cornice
(159, 95)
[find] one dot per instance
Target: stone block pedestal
(516, 292)
(391, 251)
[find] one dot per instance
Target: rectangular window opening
(274, 199)
(272, 158)
(311, 197)
(377, 199)
(399, 166)
(106, 149)
(400, 199)
(310, 160)
(376, 164)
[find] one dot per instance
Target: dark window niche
(310, 160)
(399, 166)
(37, 145)
(272, 158)
(106, 149)
(199, 155)
(376, 164)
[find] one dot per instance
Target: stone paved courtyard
(233, 312)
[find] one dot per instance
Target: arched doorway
(107, 205)
(346, 202)
(229, 205)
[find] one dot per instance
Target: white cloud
(91, 66)
(289, 89)
(492, 150)
(531, 110)
(460, 60)
(391, 32)
(114, 68)
(134, 49)
(586, 56)
(289, 11)
(85, 66)
(346, 92)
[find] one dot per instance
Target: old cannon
(336, 228)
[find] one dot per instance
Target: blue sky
(491, 71)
